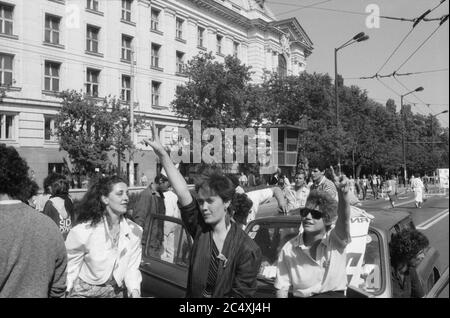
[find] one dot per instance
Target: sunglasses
(314, 213)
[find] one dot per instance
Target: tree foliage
(88, 129)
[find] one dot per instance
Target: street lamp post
(418, 89)
(361, 36)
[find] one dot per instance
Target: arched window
(282, 66)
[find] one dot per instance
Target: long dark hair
(91, 208)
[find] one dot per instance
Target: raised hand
(342, 182)
(154, 141)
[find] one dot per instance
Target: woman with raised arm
(224, 261)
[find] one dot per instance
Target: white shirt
(308, 276)
(258, 197)
(296, 198)
(92, 257)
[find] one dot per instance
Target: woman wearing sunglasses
(314, 262)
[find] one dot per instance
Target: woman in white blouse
(104, 248)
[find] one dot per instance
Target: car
(165, 269)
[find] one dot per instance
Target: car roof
(383, 219)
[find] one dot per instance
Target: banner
(443, 178)
(359, 229)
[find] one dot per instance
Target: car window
(271, 239)
(168, 241)
(371, 274)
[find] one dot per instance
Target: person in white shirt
(296, 198)
(314, 262)
(104, 248)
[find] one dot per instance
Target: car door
(165, 258)
(440, 289)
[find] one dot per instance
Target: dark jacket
(149, 202)
(236, 276)
(52, 211)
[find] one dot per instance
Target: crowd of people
(94, 248)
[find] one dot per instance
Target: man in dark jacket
(33, 257)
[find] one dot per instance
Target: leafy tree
(88, 129)
(218, 94)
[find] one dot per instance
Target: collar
(125, 229)
(299, 242)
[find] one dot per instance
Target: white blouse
(93, 258)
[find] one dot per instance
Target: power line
(398, 74)
(420, 46)
(313, 6)
(395, 50)
(409, 90)
(304, 7)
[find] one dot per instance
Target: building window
(126, 10)
(126, 88)
(92, 5)
(282, 66)
(155, 19)
(155, 55)
(126, 47)
(92, 82)
(49, 128)
(6, 19)
(6, 69)
(6, 126)
(156, 93)
(219, 44)
(200, 37)
(92, 38)
(52, 29)
(180, 62)
(179, 28)
(235, 49)
(51, 77)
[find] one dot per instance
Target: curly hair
(91, 207)
(241, 206)
(52, 177)
(405, 245)
(325, 203)
(14, 179)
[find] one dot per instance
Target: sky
(330, 23)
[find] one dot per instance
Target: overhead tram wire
(313, 6)
(399, 74)
(423, 43)
(303, 7)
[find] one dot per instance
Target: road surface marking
(432, 221)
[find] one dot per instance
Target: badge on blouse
(223, 258)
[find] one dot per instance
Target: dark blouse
(237, 267)
(409, 287)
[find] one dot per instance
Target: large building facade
(47, 46)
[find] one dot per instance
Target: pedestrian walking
(104, 248)
(224, 260)
(391, 190)
(418, 188)
(33, 257)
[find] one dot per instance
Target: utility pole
(131, 161)
(403, 140)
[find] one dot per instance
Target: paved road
(432, 219)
